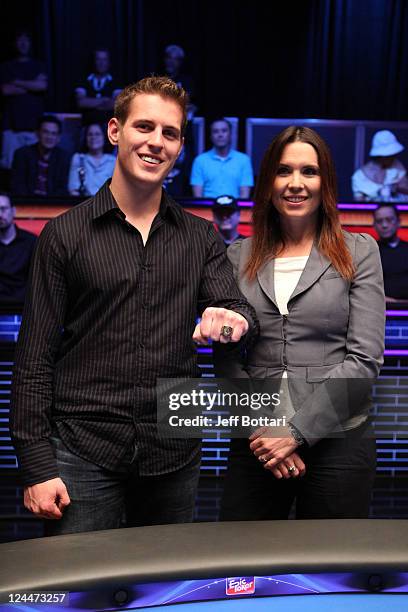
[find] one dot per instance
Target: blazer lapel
(266, 280)
(314, 268)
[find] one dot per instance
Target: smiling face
(149, 141)
(296, 192)
(49, 135)
(95, 138)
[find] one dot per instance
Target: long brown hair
(268, 240)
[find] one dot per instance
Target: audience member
(221, 169)
(174, 57)
(383, 178)
(95, 95)
(394, 253)
(226, 217)
(42, 169)
(23, 83)
(91, 168)
(16, 248)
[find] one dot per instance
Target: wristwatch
(296, 435)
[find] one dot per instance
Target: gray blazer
(331, 343)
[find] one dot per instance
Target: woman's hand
(272, 450)
(291, 467)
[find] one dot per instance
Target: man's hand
(47, 499)
(272, 450)
(291, 467)
(212, 322)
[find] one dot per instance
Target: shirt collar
(216, 156)
(104, 202)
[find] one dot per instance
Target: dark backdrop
(343, 59)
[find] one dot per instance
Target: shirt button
(141, 345)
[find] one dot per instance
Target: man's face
(172, 62)
(150, 140)
(23, 44)
(227, 219)
(386, 223)
(220, 134)
(102, 62)
(49, 135)
(7, 213)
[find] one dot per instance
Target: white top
(379, 192)
(95, 173)
(287, 272)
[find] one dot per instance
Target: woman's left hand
(291, 467)
(272, 450)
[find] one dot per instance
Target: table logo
(244, 585)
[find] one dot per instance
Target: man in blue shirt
(221, 169)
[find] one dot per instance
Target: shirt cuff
(37, 463)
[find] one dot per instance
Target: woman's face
(296, 191)
(95, 138)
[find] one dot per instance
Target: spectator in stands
(394, 253)
(226, 216)
(16, 248)
(221, 169)
(174, 57)
(383, 178)
(95, 95)
(23, 83)
(42, 169)
(91, 168)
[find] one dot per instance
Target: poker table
(239, 566)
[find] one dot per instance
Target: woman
(383, 178)
(319, 296)
(89, 170)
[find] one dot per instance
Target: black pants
(338, 482)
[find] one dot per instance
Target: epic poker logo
(244, 585)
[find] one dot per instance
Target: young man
(42, 169)
(117, 283)
(222, 169)
(393, 252)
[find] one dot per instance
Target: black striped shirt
(104, 317)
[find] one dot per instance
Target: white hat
(384, 144)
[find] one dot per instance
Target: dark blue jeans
(102, 499)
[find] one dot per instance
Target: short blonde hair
(159, 85)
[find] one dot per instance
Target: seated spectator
(95, 96)
(90, 169)
(393, 252)
(42, 169)
(226, 216)
(16, 248)
(221, 169)
(383, 178)
(174, 58)
(23, 83)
